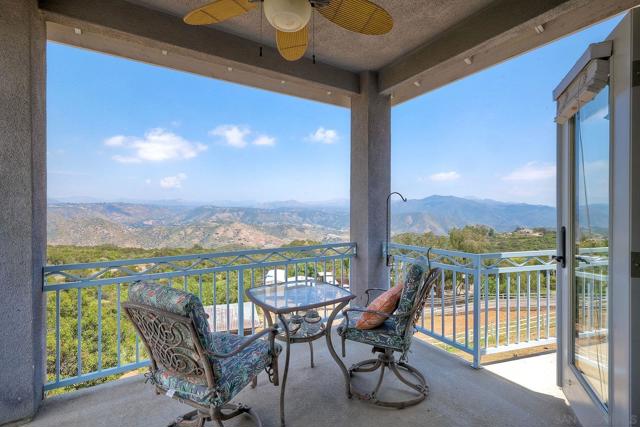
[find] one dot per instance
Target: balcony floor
(460, 396)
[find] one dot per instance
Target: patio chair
(189, 363)
(394, 335)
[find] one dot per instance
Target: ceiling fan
(290, 18)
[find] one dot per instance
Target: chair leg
(254, 382)
(414, 380)
(219, 414)
(344, 351)
(311, 351)
(191, 419)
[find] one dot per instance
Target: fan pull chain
(261, 16)
(313, 35)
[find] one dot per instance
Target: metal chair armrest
(366, 291)
(346, 311)
(272, 331)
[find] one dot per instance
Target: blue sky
(119, 129)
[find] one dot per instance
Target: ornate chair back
(173, 327)
(419, 281)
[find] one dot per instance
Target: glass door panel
(591, 250)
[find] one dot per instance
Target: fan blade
(218, 11)
(292, 46)
(360, 16)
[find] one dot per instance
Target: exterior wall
(370, 183)
(22, 208)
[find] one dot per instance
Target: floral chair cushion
(414, 279)
(174, 301)
(236, 372)
(384, 335)
(239, 370)
(231, 374)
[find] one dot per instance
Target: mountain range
(176, 224)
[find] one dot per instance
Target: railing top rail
(517, 254)
(485, 255)
(97, 280)
(348, 246)
(435, 251)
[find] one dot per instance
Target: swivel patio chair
(189, 363)
(394, 335)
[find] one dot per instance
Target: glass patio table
(294, 305)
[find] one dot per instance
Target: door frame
(622, 237)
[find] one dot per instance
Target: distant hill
(439, 214)
(273, 224)
(155, 226)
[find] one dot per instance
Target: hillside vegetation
(153, 226)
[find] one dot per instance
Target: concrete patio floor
(460, 396)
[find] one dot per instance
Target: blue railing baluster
(253, 320)
(119, 332)
(79, 332)
(442, 283)
(508, 309)
(518, 308)
(486, 311)
(497, 310)
(99, 328)
(228, 279)
(57, 335)
(454, 287)
(548, 304)
(240, 302)
(466, 311)
(215, 303)
(538, 305)
(528, 306)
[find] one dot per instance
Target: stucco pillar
(22, 208)
(370, 182)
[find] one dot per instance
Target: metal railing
(486, 303)
(482, 303)
(87, 338)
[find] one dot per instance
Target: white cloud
(173, 181)
(232, 135)
(147, 181)
(324, 136)
(157, 145)
(445, 176)
(264, 140)
(238, 136)
(532, 171)
(115, 141)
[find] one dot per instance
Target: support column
(370, 183)
(22, 208)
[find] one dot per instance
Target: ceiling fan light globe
(287, 15)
